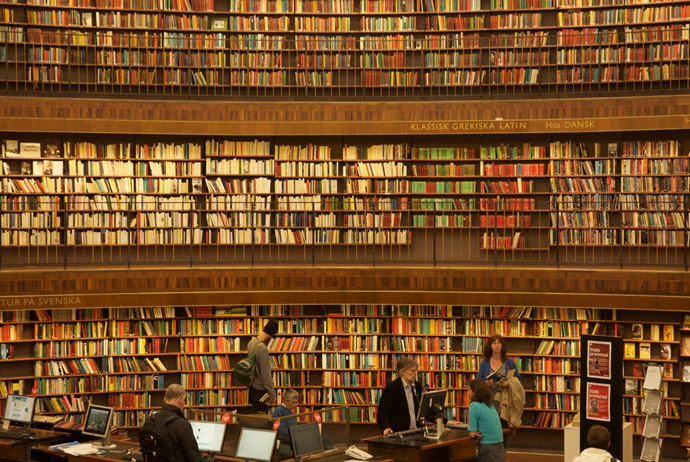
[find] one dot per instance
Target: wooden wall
(233, 118)
(603, 288)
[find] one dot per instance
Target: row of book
(104, 347)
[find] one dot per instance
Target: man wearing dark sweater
(187, 449)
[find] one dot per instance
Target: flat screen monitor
(431, 405)
(20, 409)
(306, 439)
(209, 436)
(255, 444)
(97, 421)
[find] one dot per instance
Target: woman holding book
(495, 370)
(496, 366)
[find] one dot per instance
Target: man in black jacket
(180, 429)
(400, 399)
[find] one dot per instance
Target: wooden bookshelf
(343, 49)
(333, 354)
(210, 199)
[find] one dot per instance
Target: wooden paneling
(73, 115)
(666, 290)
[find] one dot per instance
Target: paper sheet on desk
(80, 449)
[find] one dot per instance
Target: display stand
(651, 433)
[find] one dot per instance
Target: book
(654, 332)
(686, 321)
(637, 332)
(26, 168)
(58, 167)
(86, 19)
(38, 167)
(10, 148)
(645, 350)
(685, 433)
(665, 351)
(494, 376)
(684, 412)
(51, 148)
(629, 350)
(668, 333)
(612, 149)
(685, 346)
(632, 387)
(685, 372)
(30, 149)
(668, 370)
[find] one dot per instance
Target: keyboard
(14, 434)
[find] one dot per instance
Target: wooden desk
(333, 457)
(454, 445)
(21, 449)
(120, 446)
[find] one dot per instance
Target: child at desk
(484, 424)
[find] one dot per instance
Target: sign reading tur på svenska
(40, 302)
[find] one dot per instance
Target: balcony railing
(604, 230)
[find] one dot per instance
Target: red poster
(599, 402)
(599, 359)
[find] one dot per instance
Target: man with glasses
(400, 399)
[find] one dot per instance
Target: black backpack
(155, 440)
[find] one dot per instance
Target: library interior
(356, 184)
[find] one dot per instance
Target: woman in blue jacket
(496, 364)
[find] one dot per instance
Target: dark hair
(481, 392)
(487, 348)
(598, 437)
(405, 363)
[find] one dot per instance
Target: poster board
(601, 388)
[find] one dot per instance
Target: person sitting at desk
(399, 401)
(181, 434)
(286, 409)
(483, 423)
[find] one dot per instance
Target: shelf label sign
(502, 126)
(40, 301)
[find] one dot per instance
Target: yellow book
(629, 350)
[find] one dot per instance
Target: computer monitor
(431, 405)
(255, 444)
(209, 436)
(97, 422)
(306, 439)
(20, 409)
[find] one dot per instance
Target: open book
(496, 376)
